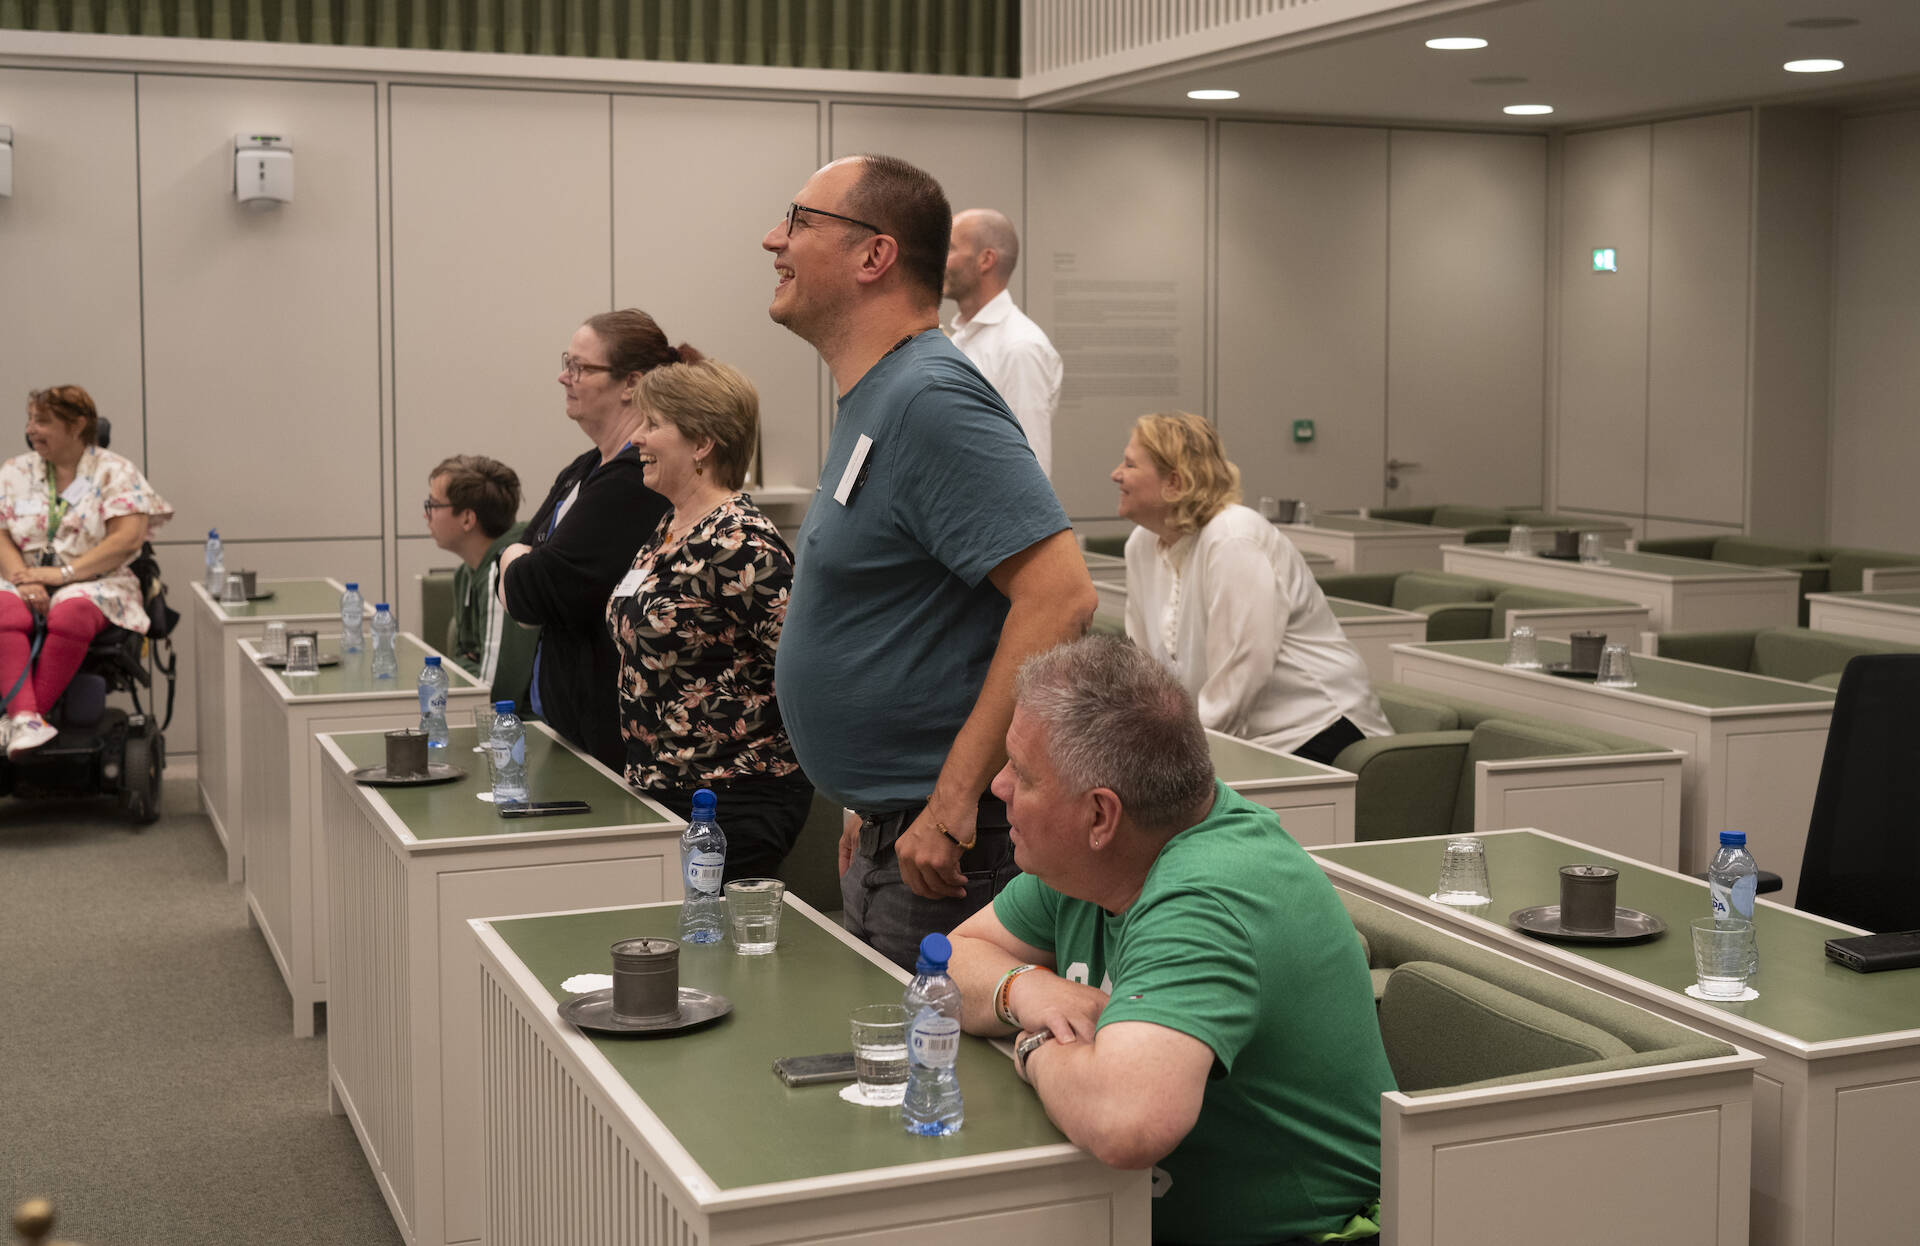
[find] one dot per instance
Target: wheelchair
(102, 749)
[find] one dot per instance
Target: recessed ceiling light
(1213, 95)
(1456, 44)
(1527, 110)
(1499, 80)
(1823, 23)
(1816, 66)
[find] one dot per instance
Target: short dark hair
(636, 343)
(72, 406)
(1115, 718)
(907, 203)
(487, 487)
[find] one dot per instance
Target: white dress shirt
(1233, 610)
(1018, 360)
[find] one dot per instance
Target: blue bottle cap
(935, 952)
(353, 586)
(213, 534)
(433, 659)
(1737, 839)
(380, 607)
(503, 707)
(704, 803)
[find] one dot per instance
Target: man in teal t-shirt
(1189, 991)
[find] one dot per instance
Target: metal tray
(594, 1011)
(1565, 671)
(1542, 921)
(274, 662)
(437, 772)
(266, 596)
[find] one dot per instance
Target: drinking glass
(1591, 551)
(1463, 873)
(1303, 514)
(1520, 540)
(235, 593)
(880, 1052)
(275, 640)
(1523, 651)
(1722, 955)
(483, 717)
(753, 914)
(1270, 509)
(1616, 668)
(303, 656)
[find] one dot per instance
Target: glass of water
(753, 914)
(483, 717)
(276, 639)
(880, 1052)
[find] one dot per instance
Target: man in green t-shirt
(1188, 990)
(471, 504)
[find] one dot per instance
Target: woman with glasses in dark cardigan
(583, 538)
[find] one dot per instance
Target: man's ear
(468, 520)
(878, 255)
(1105, 806)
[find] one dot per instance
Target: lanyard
(56, 506)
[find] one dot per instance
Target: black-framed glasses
(573, 368)
(431, 506)
(795, 209)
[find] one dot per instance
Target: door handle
(1394, 465)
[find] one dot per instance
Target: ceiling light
(1813, 66)
(1527, 110)
(1462, 44)
(1213, 95)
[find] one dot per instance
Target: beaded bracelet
(1001, 992)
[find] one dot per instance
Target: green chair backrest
(1428, 588)
(1442, 1026)
(1803, 654)
(436, 609)
(1451, 516)
(1749, 552)
(1502, 739)
(1846, 565)
(1114, 546)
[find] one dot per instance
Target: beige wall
(1876, 365)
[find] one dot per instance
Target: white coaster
(1745, 994)
(581, 983)
(852, 1093)
(486, 796)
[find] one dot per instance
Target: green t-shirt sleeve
(1188, 964)
(1026, 907)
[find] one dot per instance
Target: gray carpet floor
(150, 1083)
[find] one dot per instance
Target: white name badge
(630, 583)
(855, 462)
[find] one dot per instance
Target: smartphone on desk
(833, 1066)
(541, 808)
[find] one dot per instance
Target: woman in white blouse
(1215, 592)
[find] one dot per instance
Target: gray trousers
(884, 912)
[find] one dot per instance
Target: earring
(699, 467)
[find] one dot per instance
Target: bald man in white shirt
(1003, 342)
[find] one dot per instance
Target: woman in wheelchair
(72, 517)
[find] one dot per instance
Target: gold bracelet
(942, 828)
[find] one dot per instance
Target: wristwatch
(1026, 1047)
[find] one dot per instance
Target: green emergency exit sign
(1605, 261)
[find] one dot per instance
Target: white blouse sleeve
(1246, 621)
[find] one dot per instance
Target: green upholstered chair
(1847, 565)
(1112, 546)
(1796, 653)
(436, 609)
(812, 870)
(1803, 560)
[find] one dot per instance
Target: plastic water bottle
(353, 610)
(509, 744)
(433, 701)
(386, 663)
(1733, 880)
(932, 1107)
(216, 564)
(703, 859)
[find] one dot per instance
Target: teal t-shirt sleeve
(1191, 968)
(972, 493)
(1026, 907)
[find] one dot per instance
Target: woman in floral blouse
(72, 517)
(697, 622)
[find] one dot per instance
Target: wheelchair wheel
(140, 798)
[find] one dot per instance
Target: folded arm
(1129, 1096)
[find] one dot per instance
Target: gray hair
(1115, 718)
(992, 231)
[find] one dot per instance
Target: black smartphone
(541, 808)
(833, 1066)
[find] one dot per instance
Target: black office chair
(103, 750)
(1862, 863)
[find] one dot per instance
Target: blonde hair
(1184, 445)
(707, 399)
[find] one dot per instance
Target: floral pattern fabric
(105, 486)
(698, 626)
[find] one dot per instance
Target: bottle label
(934, 1040)
(704, 870)
(1744, 889)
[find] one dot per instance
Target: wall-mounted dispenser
(6, 160)
(262, 170)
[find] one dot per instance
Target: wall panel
(1876, 368)
(1303, 309)
(1466, 302)
(1697, 329)
(1116, 225)
(694, 260)
(502, 241)
(70, 248)
(1600, 427)
(262, 326)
